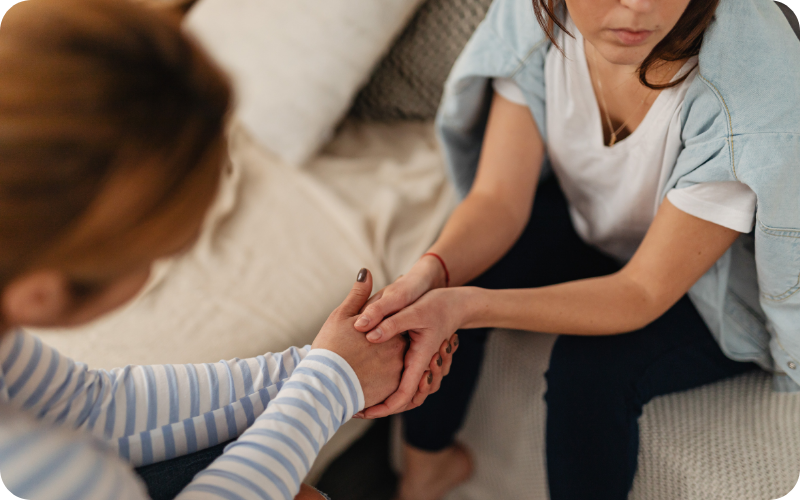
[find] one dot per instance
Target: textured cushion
(732, 440)
(408, 82)
(297, 64)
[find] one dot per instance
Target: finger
(436, 375)
(386, 305)
(418, 399)
(358, 294)
(401, 322)
(423, 389)
(377, 411)
(372, 300)
(436, 371)
(446, 352)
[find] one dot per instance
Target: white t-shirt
(613, 192)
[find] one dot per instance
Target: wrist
(474, 307)
(434, 270)
(428, 274)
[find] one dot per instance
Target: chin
(624, 56)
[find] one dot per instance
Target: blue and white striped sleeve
(40, 462)
(273, 456)
(268, 461)
(148, 413)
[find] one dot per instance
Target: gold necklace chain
(613, 138)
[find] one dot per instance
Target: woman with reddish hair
(112, 142)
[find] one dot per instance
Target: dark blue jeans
(164, 480)
(597, 386)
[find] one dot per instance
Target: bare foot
(431, 475)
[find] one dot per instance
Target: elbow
(645, 302)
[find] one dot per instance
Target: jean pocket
(778, 261)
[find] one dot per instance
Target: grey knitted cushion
(408, 82)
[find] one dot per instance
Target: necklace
(613, 138)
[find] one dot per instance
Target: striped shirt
(62, 426)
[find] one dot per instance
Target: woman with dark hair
(630, 178)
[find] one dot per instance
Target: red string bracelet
(444, 266)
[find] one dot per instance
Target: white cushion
(297, 64)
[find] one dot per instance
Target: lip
(630, 37)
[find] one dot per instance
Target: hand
(426, 275)
(377, 366)
(431, 379)
(430, 322)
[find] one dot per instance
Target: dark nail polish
(362, 275)
(439, 361)
(430, 378)
(455, 342)
(448, 349)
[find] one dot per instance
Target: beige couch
(282, 247)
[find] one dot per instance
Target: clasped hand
(429, 315)
(379, 366)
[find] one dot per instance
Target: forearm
(148, 412)
(599, 306)
(274, 455)
(479, 232)
(494, 213)
(179, 409)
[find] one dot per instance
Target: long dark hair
(682, 42)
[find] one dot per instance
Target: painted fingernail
(362, 275)
(362, 321)
(375, 335)
(455, 342)
(448, 349)
(439, 361)
(430, 379)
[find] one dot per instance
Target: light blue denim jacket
(741, 121)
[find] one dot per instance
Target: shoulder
(750, 62)
(504, 41)
(514, 23)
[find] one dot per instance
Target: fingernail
(375, 335)
(362, 275)
(439, 361)
(448, 349)
(430, 378)
(455, 342)
(362, 321)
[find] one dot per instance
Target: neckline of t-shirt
(656, 108)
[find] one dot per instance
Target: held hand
(377, 366)
(430, 322)
(431, 379)
(426, 275)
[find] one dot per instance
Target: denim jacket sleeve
(742, 122)
(509, 43)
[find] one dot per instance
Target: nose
(640, 6)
